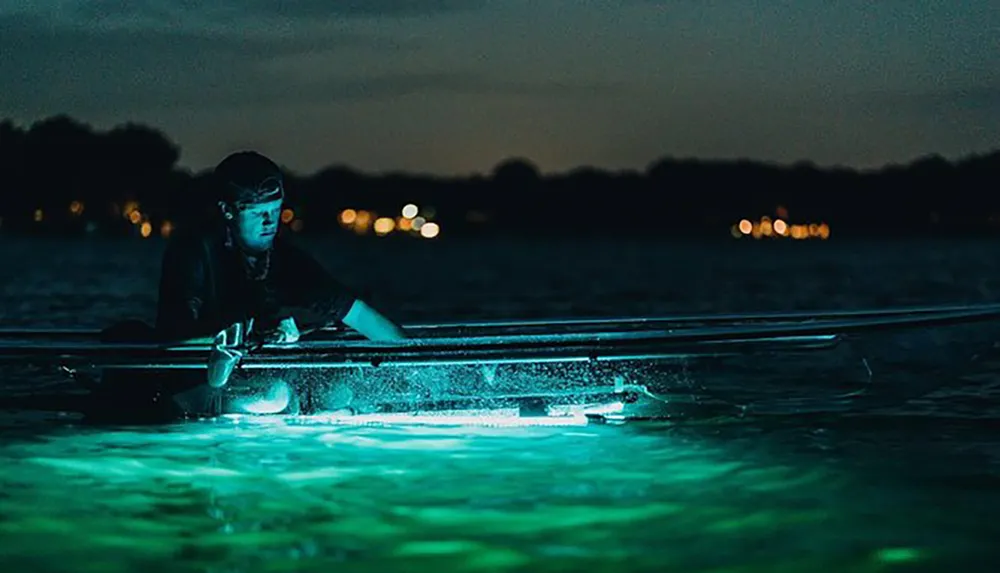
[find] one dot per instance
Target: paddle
(226, 354)
(229, 347)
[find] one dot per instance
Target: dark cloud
(360, 8)
(121, 70)
(164, 10)
(976, 98)
(54, 66)
(981, 99)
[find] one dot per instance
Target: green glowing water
(917, 490)
(287, 496)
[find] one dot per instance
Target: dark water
(913, 489)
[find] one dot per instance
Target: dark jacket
(205, 289)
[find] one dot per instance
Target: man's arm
(371, 323)
(317, 300)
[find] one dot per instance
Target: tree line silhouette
(59, 161)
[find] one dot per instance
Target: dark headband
(270, 189)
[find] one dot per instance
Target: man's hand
(286, 332)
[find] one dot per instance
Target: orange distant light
(766, 227)
(146, 230)
(348, 216)
(134, 217)
(384, 226)
(780, 227)
(76, 208)
(363, 219)
(746, 227)
(404, 224)
(130, 206)
(287, 216)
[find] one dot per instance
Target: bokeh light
(129, 208)
(429, 230)
(765, 227)
(384, 225)
(363, 220)
(348, 216)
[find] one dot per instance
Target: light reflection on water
(232, 495)
(814, 495)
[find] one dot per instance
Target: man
(239, 274)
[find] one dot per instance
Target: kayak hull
(641, 369)
(688, 381)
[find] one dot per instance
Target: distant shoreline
(61, 177)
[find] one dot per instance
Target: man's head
(252, 192)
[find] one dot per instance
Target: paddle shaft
(790, 316)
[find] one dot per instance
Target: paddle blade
(221, 364)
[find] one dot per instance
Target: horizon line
(802, 163)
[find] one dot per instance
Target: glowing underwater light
(278, 399)
(564, 415)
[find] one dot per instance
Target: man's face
(256, 225)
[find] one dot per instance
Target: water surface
(913, 489)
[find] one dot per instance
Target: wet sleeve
(311, 294)
(182, 293)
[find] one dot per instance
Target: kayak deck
(625, 339)
(520, 364)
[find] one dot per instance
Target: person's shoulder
(295, 258)
(286, 246)
(189, 241)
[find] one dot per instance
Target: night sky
(455, 86)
